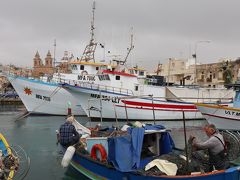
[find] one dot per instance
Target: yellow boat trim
(6, 144)
(141, 69)
(217, 106)
(90, 63)
(11, 173)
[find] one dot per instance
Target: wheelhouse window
(117, 77)
(82, 67)
(103, 77)
(74, 67)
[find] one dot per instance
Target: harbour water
(36, 135)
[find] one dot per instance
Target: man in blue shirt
(68, 134)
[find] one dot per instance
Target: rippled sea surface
(36, 135)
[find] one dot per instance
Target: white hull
(44, 98)
(222, 117)
(133, 109)
(199, 95)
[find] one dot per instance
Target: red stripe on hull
(160, 109)
(166, 106)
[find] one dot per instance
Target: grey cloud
(162, 28)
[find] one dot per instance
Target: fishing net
(232, 144)
(197, 161)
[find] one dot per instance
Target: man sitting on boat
(68, 134)
(215, 146)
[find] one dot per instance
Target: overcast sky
(161, 29)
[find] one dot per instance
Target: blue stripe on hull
(95, 170)
(35, 81)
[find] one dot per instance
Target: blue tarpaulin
(125, 151)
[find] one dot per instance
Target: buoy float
(102, 151)
(68, 156)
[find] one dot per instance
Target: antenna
(130, 48)
(89, 51)
(92, 22)
(54, 53)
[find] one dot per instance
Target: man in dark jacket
(67, 134)
(215, 146)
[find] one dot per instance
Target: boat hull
(221, 116)
(199, 95)
(44, 98)
(96, 170)
(109, 105)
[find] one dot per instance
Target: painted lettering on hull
(44, 98)
(232, 113)
(106, 98)
(86, 78)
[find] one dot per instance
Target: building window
(82, 67)
(214, 75)
(136, 88)
(141, 73)
(117, 77)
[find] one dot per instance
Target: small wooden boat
(109, 158)
(7, 171)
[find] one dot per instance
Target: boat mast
(89, 51)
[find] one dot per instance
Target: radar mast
(89, 51)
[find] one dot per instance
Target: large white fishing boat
(44, 96)
(120, 95)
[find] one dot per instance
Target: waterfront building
(186, 72)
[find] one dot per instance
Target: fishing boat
(45, 96)
(222, 116)
(14, 161)
(121, 92)
(122, 155)
(9, 163)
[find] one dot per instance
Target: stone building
(185, 72)
(177, 71)
(39, 68)
(217, 74)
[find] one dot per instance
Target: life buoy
(102, 151)
(84, 73)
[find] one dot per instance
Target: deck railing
(98, 87)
